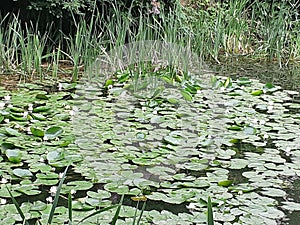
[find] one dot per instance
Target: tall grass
(234, 28)
(247, 28)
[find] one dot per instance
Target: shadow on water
(286, 77)
(294, 194)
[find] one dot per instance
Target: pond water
(237, 142)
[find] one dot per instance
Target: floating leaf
(41, 109)
(249, 130)
(53, 132)
(172, 140)
(22, 173)
(13, 155)
(291, 206)
(16, 109)
(273, 192)
(42, 97)
(186, 95)
(54, 156)
(244, 81)
(234, 127)
(37, 132)
(108, 82)
(225, 183)
(38, 116)
(11, 132)
(257, 92)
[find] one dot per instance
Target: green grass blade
(143, 209)
(114, 220)
(70, 208)
(135, 213)
(17, 206)
(97, 212)
(51, 215)
(210, 217)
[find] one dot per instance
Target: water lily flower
(191, 206)
(72, 112)
(60, 175)
(53, 190)
(270, 107)
(6, 97)
(59, 86)
(4, 180)
(2, 104)
(72, 191)
(25, 114)
(288, 151)
(255, 121)
(266, 136)
(45, 138)
(262, 122)
(41, 159)
(6, 120)
(30, 107)
(28, 130)
(49, 199)
(3, 201)
(220, 204)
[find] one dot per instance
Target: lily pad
(14, 155)
(22, 173)
(53, 132)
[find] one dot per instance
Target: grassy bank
(250, 29)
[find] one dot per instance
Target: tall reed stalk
(247, 28)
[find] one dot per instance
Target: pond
(236, 141)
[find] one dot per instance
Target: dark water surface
(287, 77)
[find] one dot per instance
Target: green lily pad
(37, 132)
(172, 140)
(257, 92)
(225, 183)
(273, 192)
(244, 81)
(22, 173)
(12, 132)
(14, 155)
(291, 206)
(41, 109)
(55, 156)
(53, 132)
(42, 97)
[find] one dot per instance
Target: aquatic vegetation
(236, 142)
(258, 30)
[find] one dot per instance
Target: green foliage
(210, 217)
(81, 31)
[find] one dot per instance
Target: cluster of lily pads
(237, 141)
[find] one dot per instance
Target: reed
(254, 29)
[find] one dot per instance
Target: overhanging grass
(236, 28)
